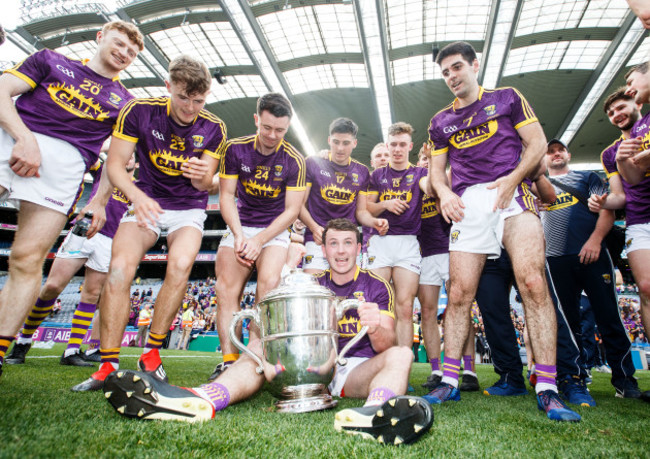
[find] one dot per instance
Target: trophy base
(305, 405)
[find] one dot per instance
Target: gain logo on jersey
(260, 190)
(335, 195)
(563, 201)
(391, 194)
(119, 196)
(348, 326)
(429, 208)
(166, 162)
(197, 140)
(71, 100)
(473, 136)
(453, 237)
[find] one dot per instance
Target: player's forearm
(382, 338)
(9, 118)
(375, 208)
(104, 189)
(439, 182)
(365, 218)
(228, 208)
(281, 223)
(615, 201)
(629, 171)
(531, 157)
(545, 190)
(121, 179)
(307, 219)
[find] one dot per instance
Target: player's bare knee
(26, 261)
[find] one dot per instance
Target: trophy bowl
(298, 324)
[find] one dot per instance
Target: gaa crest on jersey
(355, 177)
(490, 110)
(453, 237)
(197, 140)
(409, 179)
(309, 259)
(278, 170)
(359, 295)
(114, 99)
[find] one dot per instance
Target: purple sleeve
(229, 166)
(127, 127)
(296, 178)
(437, 139)
(373, 186)
(521, 112)
(35, 67)
(310, 163)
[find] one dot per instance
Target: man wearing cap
(579, 260)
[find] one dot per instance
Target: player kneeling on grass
(376, 369)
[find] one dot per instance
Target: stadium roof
(370, 60)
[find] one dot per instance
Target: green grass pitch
(42, 418)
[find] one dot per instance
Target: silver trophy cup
(298, 324)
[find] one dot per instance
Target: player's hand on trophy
(26, 157)
(370, 316)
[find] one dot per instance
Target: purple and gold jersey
(387, 183)
(116, 206)
(434, 234)
(481, 139)
(637, 197)
(69, 101)
(365, 285)
(162, 146)
(262, 181)
(333, 190)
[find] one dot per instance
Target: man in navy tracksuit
(578, 260)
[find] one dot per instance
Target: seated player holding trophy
(376, 369)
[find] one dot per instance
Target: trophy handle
(239, 316)
(341, 309)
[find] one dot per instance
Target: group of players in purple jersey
(491, 139)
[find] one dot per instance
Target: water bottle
(77, 236)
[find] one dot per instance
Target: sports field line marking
(58, 356)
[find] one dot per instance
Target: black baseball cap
(552, 141)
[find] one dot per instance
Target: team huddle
(467, 213)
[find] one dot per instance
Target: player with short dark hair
(493, 141)
(376, 370)
(262, 190)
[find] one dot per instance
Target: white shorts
(171, 220)
(61, 173)
(637, 237)
(97, 250)
(314, 258)
(391, 251)
(435, 269)
(283, 239)
(481, 230)
(341, 373)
